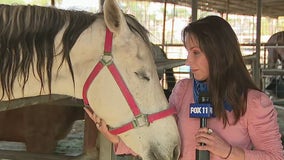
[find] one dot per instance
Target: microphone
(203, 110)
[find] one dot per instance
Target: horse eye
(142, 75)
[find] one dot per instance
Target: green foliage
(41, 2)
(33, 2)
(13, 2)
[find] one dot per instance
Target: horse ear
(114, 17)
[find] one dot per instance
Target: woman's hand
(102, 126)
(215, 144)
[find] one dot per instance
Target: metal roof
(270, 8)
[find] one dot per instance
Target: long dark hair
(229, 79)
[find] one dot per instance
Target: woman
(244, 126)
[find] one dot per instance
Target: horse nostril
(176, 152)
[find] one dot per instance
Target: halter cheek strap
(139, 118)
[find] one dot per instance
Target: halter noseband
(140, 119)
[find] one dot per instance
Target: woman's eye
(142, 75)
(196, 53)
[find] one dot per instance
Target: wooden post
(256, 67)
(53, 3)
(90, 136)
(101, 4)
(164, 25)
(194, 9)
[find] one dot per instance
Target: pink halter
(140, 119)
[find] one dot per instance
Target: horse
(275, 57)
(103, 58)
(275, 54)
(41, 126)
(27, 123)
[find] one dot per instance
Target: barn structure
(254, 8)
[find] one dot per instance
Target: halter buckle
(140, 121)
(106, 59)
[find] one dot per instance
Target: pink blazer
(257, 129)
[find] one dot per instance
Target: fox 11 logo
(200, 110)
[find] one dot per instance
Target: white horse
(50, 51)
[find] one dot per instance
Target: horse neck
(84, 55)
(280, 38)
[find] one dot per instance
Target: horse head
(45, 50)
(129, 90)
(276, 50)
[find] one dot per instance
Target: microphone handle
(202, 155)
(203, 123)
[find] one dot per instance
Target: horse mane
(27, 36)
